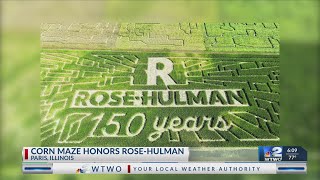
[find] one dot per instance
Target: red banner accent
(26, 154)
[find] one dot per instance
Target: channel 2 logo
(272, 153)
(84, 169)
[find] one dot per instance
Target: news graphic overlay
(168, 85)
(162, 160)
(282, 153)
(105, 154)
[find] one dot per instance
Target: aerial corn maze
(151, 84)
